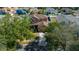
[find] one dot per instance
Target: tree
(53, 36)
(13, 28)
(59, 36)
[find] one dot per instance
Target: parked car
(21, 11)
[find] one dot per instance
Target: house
(39, 22)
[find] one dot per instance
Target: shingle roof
(38, 18)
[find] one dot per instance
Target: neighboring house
(68, 19)
(51, 10)
(65, 18)
(39, 22)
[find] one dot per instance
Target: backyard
(40, 29)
